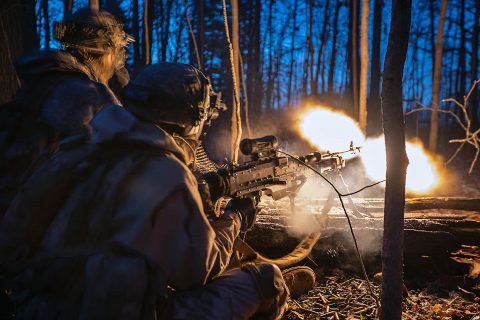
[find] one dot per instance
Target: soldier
(60, 92)
(132, 240)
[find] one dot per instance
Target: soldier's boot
(299, 280)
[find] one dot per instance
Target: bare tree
(17, 36)
(472, 136)
(362, 109)
(333, 58)
(201, 30)
(254, 54)
(178, 36)
(46, 25)
(374, 113)
(236, 120)
(67, 7)
(432, 32)
(270, 80)
(462, 54)
(310, 46)
(352, 51)
(474, 67)
(292, 51)
(323, 39)
(136, 32)
(397, 161)
(437, 71)
(236, 126)
(147, 31)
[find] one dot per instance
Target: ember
(326, 129)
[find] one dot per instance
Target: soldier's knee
(272, 288)
(269, 279)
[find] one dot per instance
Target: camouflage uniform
(58, 97)
(136, 240)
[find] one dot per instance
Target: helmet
(173, 94)
(92, 30)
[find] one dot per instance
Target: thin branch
(474, 161)
(455, 153)
(423, 108)
(199, 62)
(475, 83)
(471, 138)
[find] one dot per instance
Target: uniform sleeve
(73, 103)
(176, 234)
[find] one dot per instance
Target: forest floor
(339, 296)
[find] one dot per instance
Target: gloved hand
(211, 187)
(248, 208)
(215, 185)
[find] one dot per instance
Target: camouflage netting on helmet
(94, 30)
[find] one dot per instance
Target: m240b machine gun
(271, 173)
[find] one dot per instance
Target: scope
(259, 148)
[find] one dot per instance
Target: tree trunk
(374, 112)
(292, 51)
(310, 47)
(352, 54)
(67, 7)
(46, 26)
(437, 71)
(474, 106)
(178, 36)
(270, 80)
(430, 235)
(257, 60)
(18, 36)
(147, 31)
(236, 120)
(462, 63)
(278, 63)
(252, 43)
(333, 58)
(397, 161)
(166, 30)
(432, 33)
(362, 110)
(201, 32)
(136, 33)
(323, 39)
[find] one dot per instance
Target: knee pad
(268, 278)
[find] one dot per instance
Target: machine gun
(271, 173)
